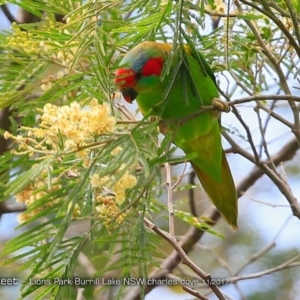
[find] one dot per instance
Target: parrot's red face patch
(126, 79)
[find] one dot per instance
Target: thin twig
(8, 14)
(85, 262)
(264, 250)
(185, 259)
(288, 264)
(283, 82)
(194, 293)
(170, 200)
(8, 209)
(191, 194)
(79, 295)
(187, 242)
(263, 167)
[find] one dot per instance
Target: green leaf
(24, 179)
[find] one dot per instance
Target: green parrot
(176, 95)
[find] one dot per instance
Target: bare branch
(288, 264)
(194, 293)
(80, 295)
(286, 153)
(192, 177)
(187, 243)
(9, 209)
(253, 26)
(185, 259)
(8, 14)
(170, 200)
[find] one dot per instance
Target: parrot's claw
(163, 128)
(220, 105)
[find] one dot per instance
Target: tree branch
(187, 243)
(8, 14)
(193, 235)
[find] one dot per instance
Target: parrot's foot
(163, 128)
(220, 105)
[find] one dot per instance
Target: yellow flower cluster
(79, 125)
(109, 193)
(47, 83)
(219, 7)
(34, 192)
(23, 40)
(126, 182)
(75, 129)
(36, 42)
(109, 212)
(115, 186)
(76, 211)
(66, 128)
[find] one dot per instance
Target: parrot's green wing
(202, 135)
(203, 64)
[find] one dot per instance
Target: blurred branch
(80, 295)
(24, 16)
(264, 250)
(223, 263)
(263, 167)
(192, 203)
(185, 259)
(264, 97)
(8, 14)
(268, 12)
(85, 262)
(193, 235)
(194, 293)
(288, 264)
(254, 28)
(170, 200)
(4, 124)
(239, 82)
(294, 19)
(276, 116)
(283, 82)
(248, 132)
(4, 145)
(281, 11)
(262, 129)
(8, 209)
(187, 243)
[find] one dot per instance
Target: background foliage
(94, 178)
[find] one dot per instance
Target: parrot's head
(140, 67)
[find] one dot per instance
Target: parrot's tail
(223, 193)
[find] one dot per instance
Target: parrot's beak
(129, 94)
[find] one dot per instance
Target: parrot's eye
(138, 76)
(153, 66)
